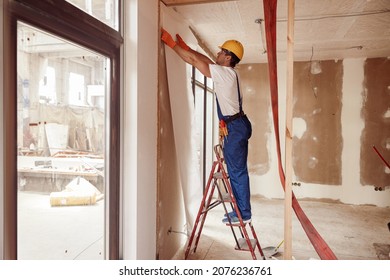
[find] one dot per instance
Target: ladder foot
(243, 244)
(225, 195)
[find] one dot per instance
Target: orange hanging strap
(319, 244)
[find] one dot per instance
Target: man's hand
(167, 38)
(181, 43)
(196, 59)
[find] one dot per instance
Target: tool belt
(234, 117)
(223, 131)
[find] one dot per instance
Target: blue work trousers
(235, 150)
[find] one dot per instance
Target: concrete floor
(59, 233)
(352, 232)
(76, 232)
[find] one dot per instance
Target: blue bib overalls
(235, 151)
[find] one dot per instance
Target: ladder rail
(257, 243)
(194, 230)
(221, 197)
(242, 225)
(228, 189)
(206, 208)
(218, 151)
(207, 204)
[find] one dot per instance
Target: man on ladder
(234, 124)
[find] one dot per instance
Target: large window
(61, 147)
(61, 111)
(206, 119)
(104, 10)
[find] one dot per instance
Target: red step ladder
(219, 180)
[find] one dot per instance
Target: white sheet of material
(57, 137)
(182, 108)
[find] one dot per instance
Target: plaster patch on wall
(299, 127)
(249, 90)
(312, 163)
(375, 112)
(317, 111)
(386, 115)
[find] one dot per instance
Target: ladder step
(238, 224)
(244, 245)
(226, 197)
(219, 180)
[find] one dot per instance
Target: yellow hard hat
(235, 47)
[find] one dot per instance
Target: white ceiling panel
(324, 29)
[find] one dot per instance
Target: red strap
(379, 154)
(319, 244)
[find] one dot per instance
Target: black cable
(87, 247)
(340, 15)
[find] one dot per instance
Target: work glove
(167, 38)
(181, 43)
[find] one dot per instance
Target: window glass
(47, 87)
(77, 89)
(104, 10)
(206, 121)
(199, 76)
(61, 145)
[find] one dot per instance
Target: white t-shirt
(226, 88)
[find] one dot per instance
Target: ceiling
(323, 29)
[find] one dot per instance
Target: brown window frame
(67, 21)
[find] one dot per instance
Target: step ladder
(219, 181)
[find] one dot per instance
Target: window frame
(203, 84)
(67, 21)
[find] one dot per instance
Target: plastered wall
(340, 109)
(139, 130)
(376, 114)
(329, 98)
(255, 86)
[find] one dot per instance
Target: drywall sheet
(183, 117)
(317, 142)
(170, 196)
(376, 115)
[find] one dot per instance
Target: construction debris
(78, 192)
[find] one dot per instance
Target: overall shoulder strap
(239, 94)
